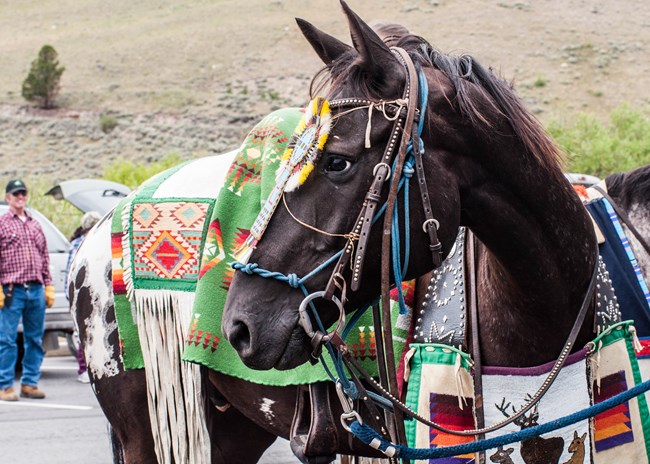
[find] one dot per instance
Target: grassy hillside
(138, 56)
(191, 77)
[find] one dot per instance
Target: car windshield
(56, 241)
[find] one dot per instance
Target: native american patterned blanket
(630, 285)
(173, 242)
(440, 387)
(628, 280)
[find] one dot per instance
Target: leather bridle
(404, 140)
(404, 127)
(405, 124)
(404, 135)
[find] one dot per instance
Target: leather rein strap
(411, 95)
(405, 127)
(552, 376)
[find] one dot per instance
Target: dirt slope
(191, 77)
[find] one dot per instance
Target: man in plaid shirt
(26, 290)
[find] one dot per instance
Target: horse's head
(369, 87)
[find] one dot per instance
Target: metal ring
(305, 322)
(433, 221)
(350, 416)
(377, 166)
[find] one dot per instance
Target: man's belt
(29, 284)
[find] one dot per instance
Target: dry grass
(145, 55)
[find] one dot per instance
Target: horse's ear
(327, 47)
(375, 57)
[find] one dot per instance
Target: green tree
(42, 82)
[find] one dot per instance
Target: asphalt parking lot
(68, 426)
(65, 427)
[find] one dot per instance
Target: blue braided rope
(367, 434)
(399, 270)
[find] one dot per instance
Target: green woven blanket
(173, 241)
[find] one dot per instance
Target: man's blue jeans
(28, 303)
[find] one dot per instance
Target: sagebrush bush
(133, 174)
(602, 148)
(107, 123)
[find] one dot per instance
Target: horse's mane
(466, 75)
(630, 187)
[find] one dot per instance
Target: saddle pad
(440, 389)
(173, 240)
(631, 288)
(165, 235)
(506, 390)
(621, 434)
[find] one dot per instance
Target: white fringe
(173, 386)
(126, 254)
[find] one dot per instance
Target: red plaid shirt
(23, 251)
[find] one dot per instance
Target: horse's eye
(335, 164)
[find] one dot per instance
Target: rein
(550, 379)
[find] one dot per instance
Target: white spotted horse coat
(90, 274)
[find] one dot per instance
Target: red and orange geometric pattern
(166, 239)
(198, 337)
(213, 252)
(119, 287)
(445, 411)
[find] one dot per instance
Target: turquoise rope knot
(247, 268)
(407, 170)
(293, 280)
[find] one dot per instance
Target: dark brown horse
(489, 166)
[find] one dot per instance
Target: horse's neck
(533, 271)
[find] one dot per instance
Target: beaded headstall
(297, 162)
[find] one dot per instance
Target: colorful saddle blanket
(440, 388)
(631, 288)
(173, 241)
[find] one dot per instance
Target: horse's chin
(294, 355)
(296, 352)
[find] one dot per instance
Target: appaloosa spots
(94, 302)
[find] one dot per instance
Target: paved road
(68, 427)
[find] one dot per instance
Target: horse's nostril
(240, 337)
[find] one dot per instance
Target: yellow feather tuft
(287, 154)
(321, 141)
(304, 172)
